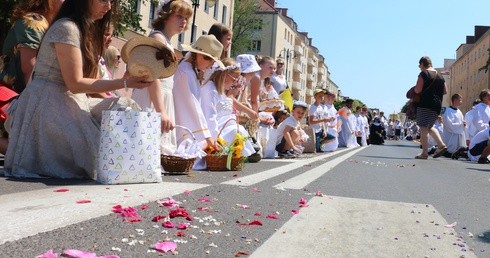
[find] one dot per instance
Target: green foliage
(487, 66)
(357, 103)
(404, 108)
(245, 20)
(5, 13)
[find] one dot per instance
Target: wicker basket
(174, 164)
(217, 162)
(178, 165)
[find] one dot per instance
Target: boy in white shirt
(480, 147)
(317, 116)
(289, 132)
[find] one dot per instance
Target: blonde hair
(173, 7)
(219, 76)
(110, 57)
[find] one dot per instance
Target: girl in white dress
(188, 80)
(218, 104)
(173, 19)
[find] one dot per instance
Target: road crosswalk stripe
(302, 180)
(29, 213)
(349, 227)
(267, 174)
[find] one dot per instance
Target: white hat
(248, 64)
(299, 103)
(207, 45)
(148, 56)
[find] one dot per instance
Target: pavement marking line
(262, 176)
(302, 180)
(349, 227)
(29, 213)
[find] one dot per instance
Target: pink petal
(48, 254)
(255, 189)
(135, 218)
(303, 205)
(180, 234)
(61, 190)
(157, 218)
(272, 216)
(168, 224)
(117, 209)
(83, 201)
(452, 225)
(294, 211)
(187, 192)
(144, 207)
(168, 202)
(243, 206)
(203, 199)
(303, 201)
(258, 214)
(72, 253)
(203, 208)
(183, 226)
(318, 193)
(256, 223)
(165, 246)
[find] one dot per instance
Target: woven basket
(217, 162)
(175, 164)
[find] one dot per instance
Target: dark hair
(425, 61)
(263, 59)
(476, 102)
(484, 93)
(42, 7)
(92, 33)
(174, 6)
(219, 31)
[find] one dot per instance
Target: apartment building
(445, 71)
(305, 67)
(466, 78)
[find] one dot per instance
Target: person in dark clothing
(376, 131)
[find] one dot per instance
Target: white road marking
(267, 174)
(29, 213)
(302, 180)
(348, 227)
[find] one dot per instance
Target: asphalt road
(367, 202)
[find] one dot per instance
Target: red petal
(255, 222)
(203, 199)
(272, 216)
(157, 218)
(83, 201)
(294, 211)
(168, 224)
(144, 207)
(187, 192)
(240, 254)
(258, 214)
(303, 201)
(180, 234)
(62, 190)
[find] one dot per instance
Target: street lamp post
(195, 4)
(288, 54)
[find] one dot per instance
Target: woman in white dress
(173, 19)
(188, 80)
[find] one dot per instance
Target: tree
(245, 20)
(487, 66)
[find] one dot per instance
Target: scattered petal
(258, 214)
(72, 253)
(255, 189)
(179, 212)
(203, 208)
(303, 201)
(117, 249)
(180, 234)
(144, 207)
(243, 206)
(168, 202)
(272, 216)
(165, 246)
(318, 193)
(294, 211)
(158, 218)
(187, 192)
(204, 199)
(256, 223)
(213, 245)
(238, 254)
(168, 224)
(61, 190)
(48, 254)
(83, 201)
(452, 225)
(183, 226)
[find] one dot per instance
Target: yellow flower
(221, 141)
(36, 22)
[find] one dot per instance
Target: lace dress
(55, 133)
(142, 97)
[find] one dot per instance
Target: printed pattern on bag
(129, 149)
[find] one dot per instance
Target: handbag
(415, 98)
(129, 150)
(6, 97)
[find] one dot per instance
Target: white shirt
(279, 83)
(288, 122)
(481, 117)
(318, 112)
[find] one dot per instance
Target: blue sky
(372, 47)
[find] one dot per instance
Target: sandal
(420, 157)
(440, 152)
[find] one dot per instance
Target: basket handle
(224, 125)
(188, 130)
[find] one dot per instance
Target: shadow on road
(52, 181)
(484, 237)
(482, 169)
(385, 157)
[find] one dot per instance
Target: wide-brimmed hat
(318, 90)
(148, 56)
(207, 45)
(248, 64)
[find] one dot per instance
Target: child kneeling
(289, 132)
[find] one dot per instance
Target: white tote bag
(129, 149)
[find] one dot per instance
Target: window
(206, 7)
(224, 14)
(255, 45)
(152, 13)
(258, 24)
(216, 9)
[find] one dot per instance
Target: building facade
(466, 77)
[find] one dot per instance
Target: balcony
(296, 86)
(321, 70)
(309, 92)
(311, 62)
(310, 77)
(298, 50)
(297, 67)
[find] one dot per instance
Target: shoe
(432, 150)
(439, 152)
(458, 153)
(483, 161)
(286, 155)
(420, 157)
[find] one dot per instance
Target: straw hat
(207, 45)
(318, 90)
(148, 56)
(248, 64)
